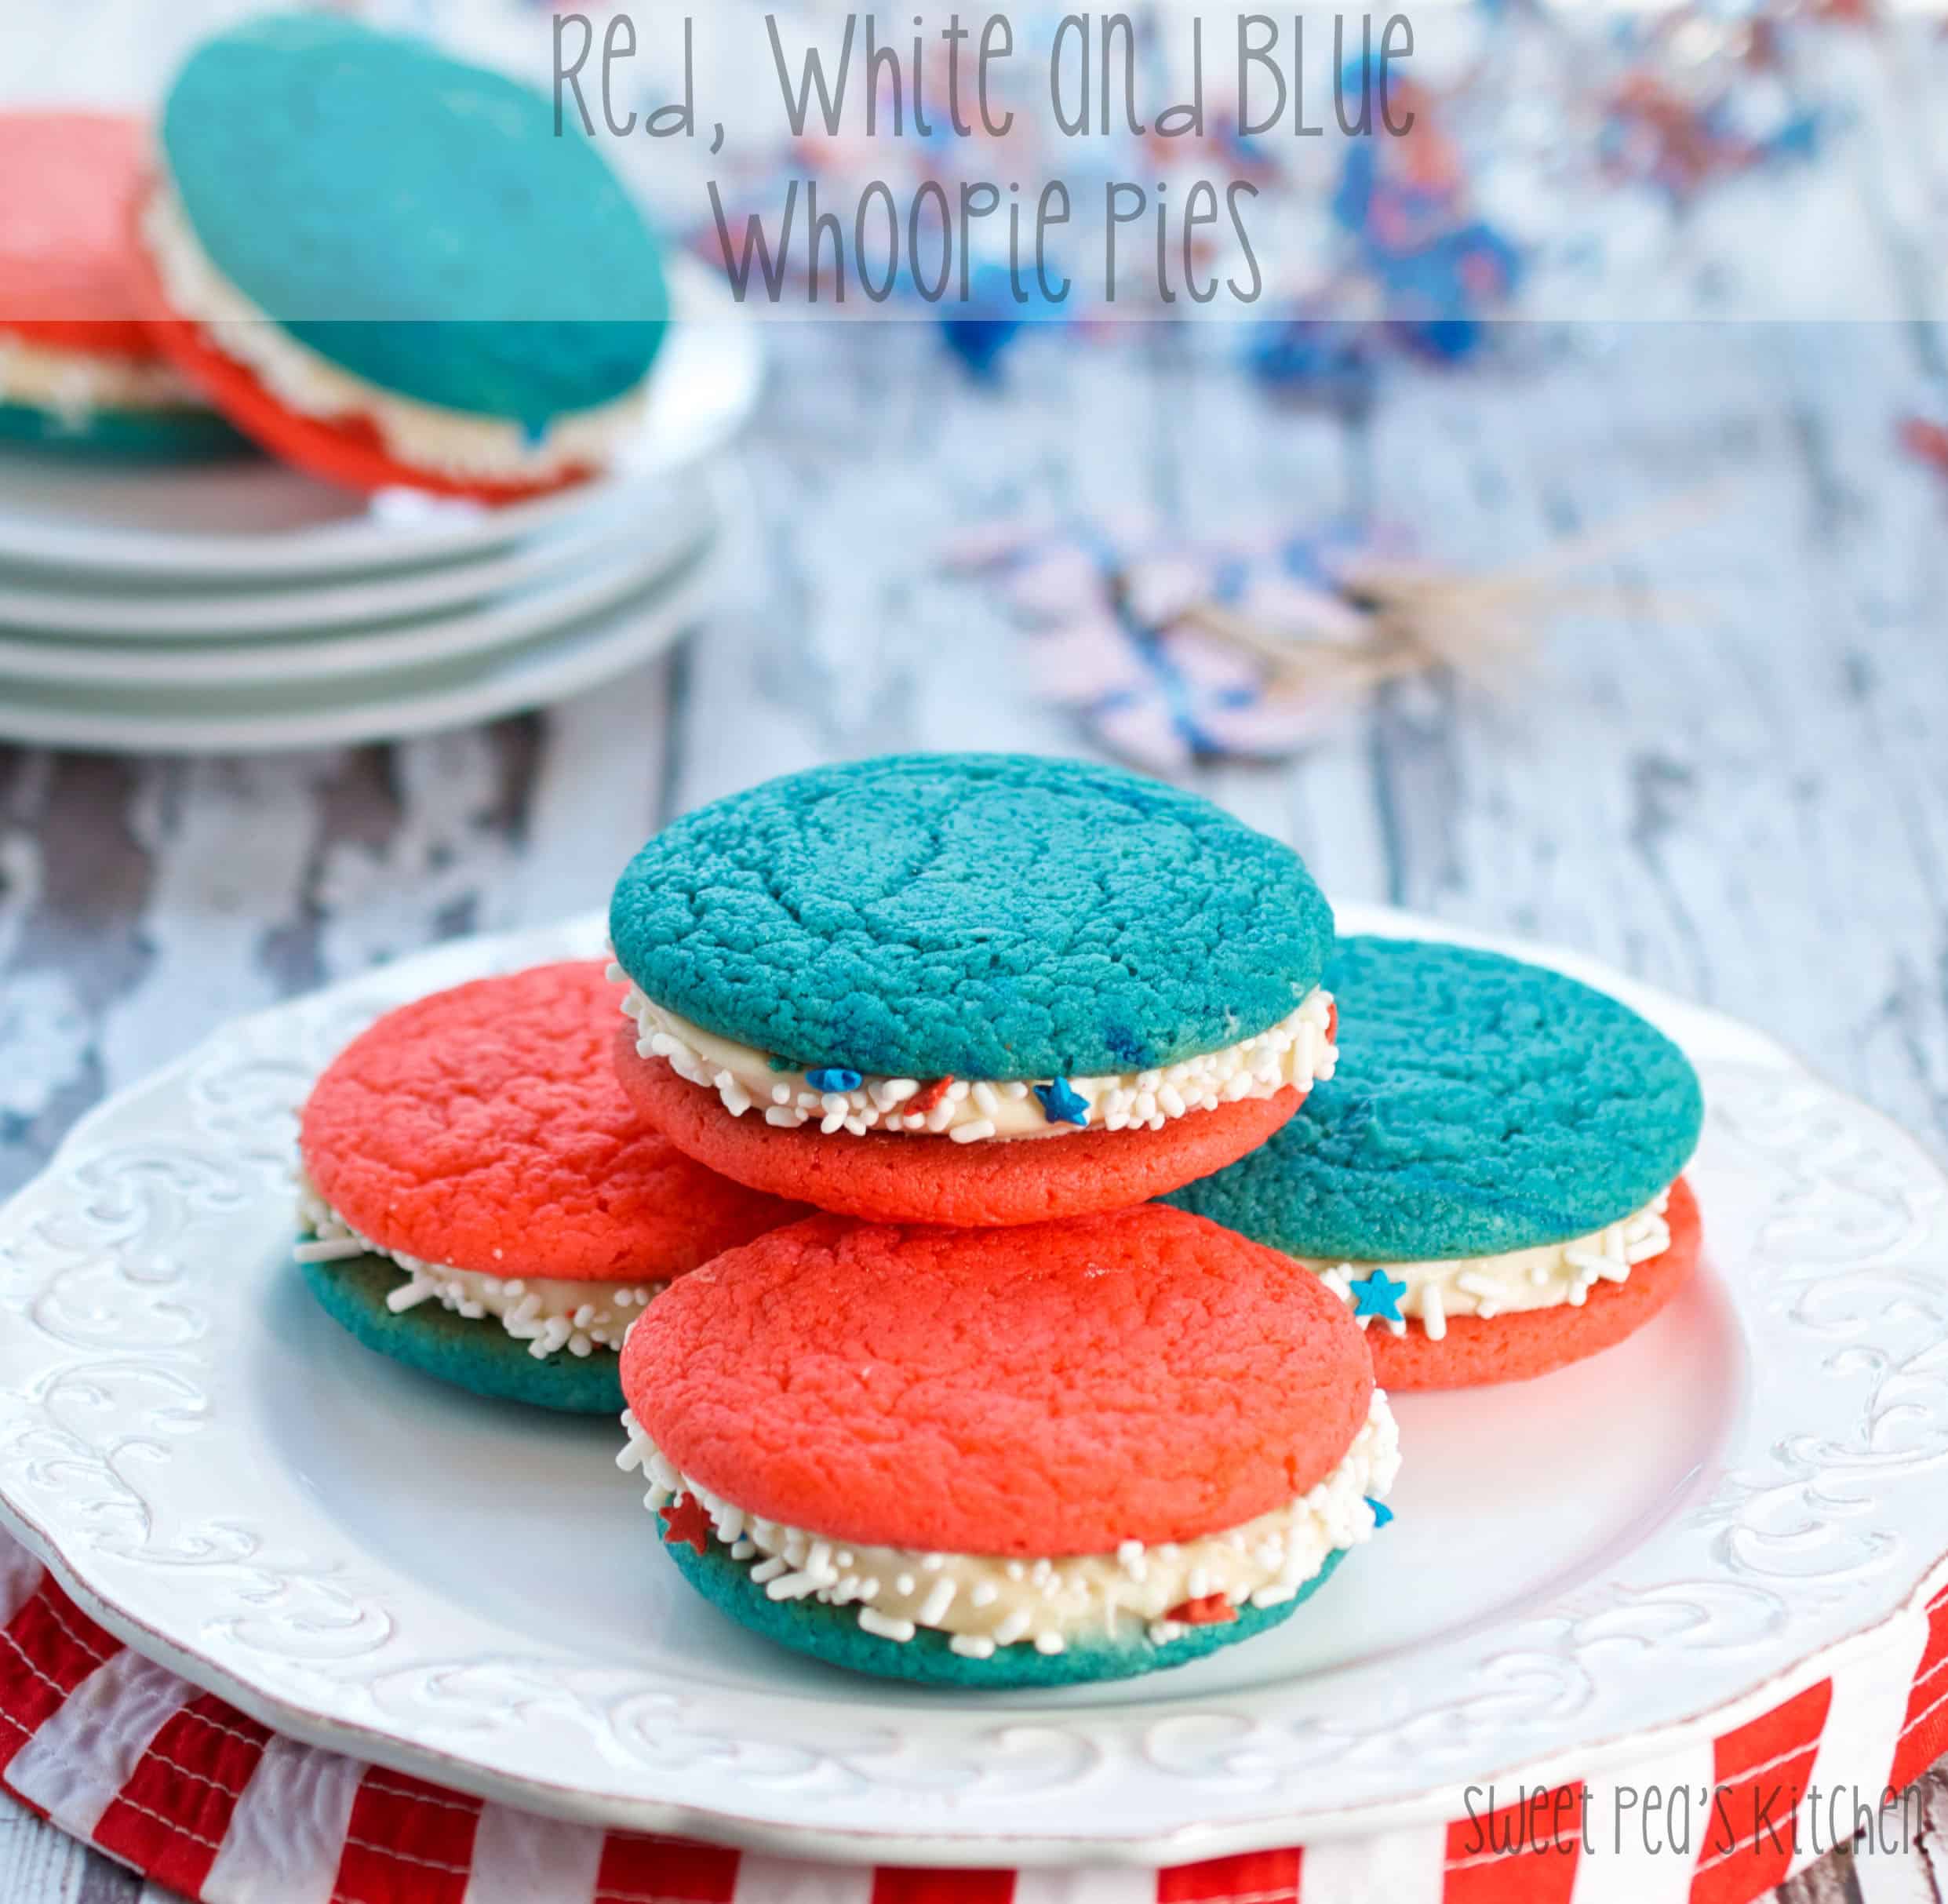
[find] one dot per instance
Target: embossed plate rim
(1158, 1813)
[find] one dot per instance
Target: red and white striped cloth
(186, 1790)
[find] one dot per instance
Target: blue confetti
(1379, 1296)
(833, 1078)
(1062, 1103)
(1382, 1514)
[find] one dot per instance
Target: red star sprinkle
(1213, 1610)
(685, 1524)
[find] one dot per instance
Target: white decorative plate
(375, 704)
(247, 519)
(605, 577)
(119, 612)
(1583, 1568)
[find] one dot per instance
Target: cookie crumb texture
(1051, 1390)
(1525, 1343)
(884, 1177)
(483, 1128)
(974, 916)
(830, 1633)
(1481, 1105)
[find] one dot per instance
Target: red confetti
(1927, 440)
(1212, 1609)
(931, 1095)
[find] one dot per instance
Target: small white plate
(387, 705)
(144, 609)
(674, 538)
(1584, 1569)
(251, 520)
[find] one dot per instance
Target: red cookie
(885, 1177)
(1049, 1390)
(482, 1128)
(68, 255)
(1527, 1342)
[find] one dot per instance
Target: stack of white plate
(240, 605)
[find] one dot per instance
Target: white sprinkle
(1434, 1313)
(793, 1586)
(873, 1621)
(327, 1249)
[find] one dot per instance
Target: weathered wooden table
(1732, 780)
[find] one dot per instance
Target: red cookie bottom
(346, 451)
(1476, 1351)
(889, 1178)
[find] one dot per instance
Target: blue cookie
(989, 916)
(136, 435)
(1480, 1105)
(352, 1291)
(415, 221)
(831, 1634)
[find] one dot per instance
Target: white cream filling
(548, 1313)
(1549, 1276)
(76, 385)
(423, 435)
(1296, 1051)
(984, 1602)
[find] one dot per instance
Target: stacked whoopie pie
(1492, 1181)
(78, 371)
(988, 1418)
(390, 267)
(994, 1420)
(478, 1200)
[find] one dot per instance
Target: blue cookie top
(977, 915)
(1480, 1105)
(415, 220)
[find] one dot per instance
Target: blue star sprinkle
(1062, 1104)
(833, 1077)
(1382, 1514)
(1379, 1296)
